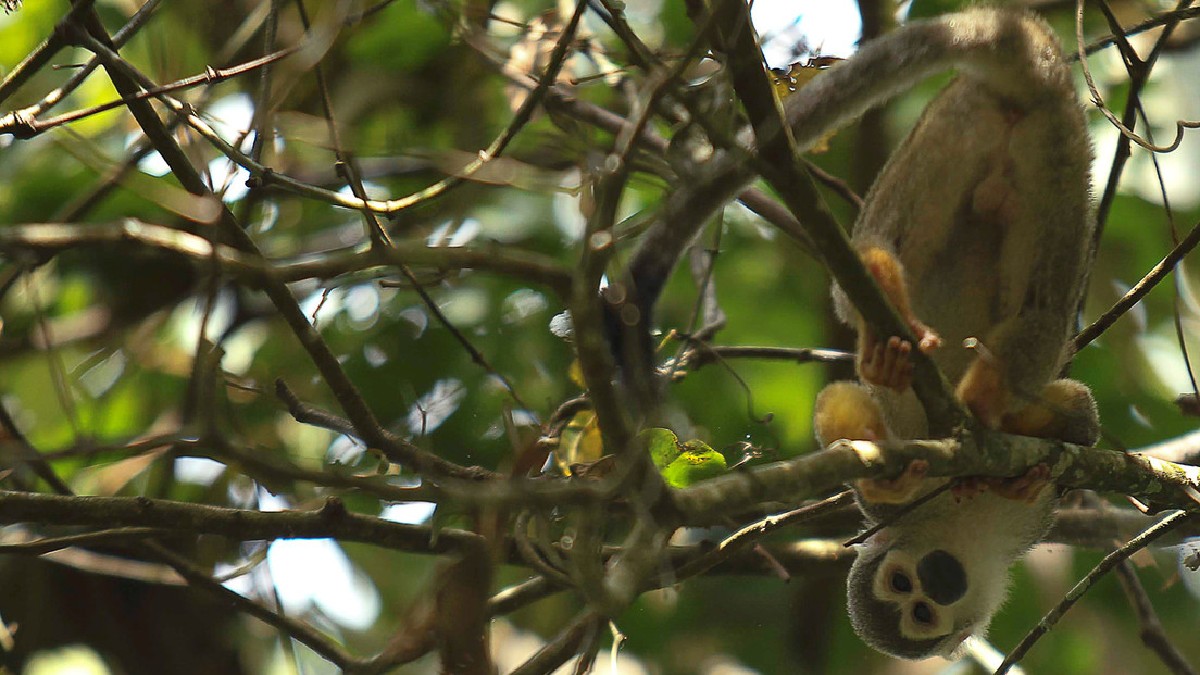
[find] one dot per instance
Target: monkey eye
(900, 582)
(922, 614)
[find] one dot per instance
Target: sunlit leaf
(662, 444)
(697, 462)
(580, 442)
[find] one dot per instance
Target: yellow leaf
(796, 77)
(580, 442)
(575, 372)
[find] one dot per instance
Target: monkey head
(915, 599)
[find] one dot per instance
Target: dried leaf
(795, 78)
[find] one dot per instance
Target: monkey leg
(887, 362)
(1065, 411)
(847, 410)
(983, 390)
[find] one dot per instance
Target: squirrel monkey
(978, 227)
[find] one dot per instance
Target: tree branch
(983, 453)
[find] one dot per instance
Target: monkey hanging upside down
(978, 227)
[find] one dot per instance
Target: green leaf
(662, 444)
(697, 462)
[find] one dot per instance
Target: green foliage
(119, 400)
(662, 444)
(682, 464)
(695, 463)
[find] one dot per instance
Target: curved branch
(331, 520)
(53, 237)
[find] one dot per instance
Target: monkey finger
(1024, 488)
(896, 370)
(870, 364)
(899, 490)
(927, 339)
(968, 487)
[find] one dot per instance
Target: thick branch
(1162, 483)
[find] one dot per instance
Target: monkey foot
(899, 490)
(887, 364)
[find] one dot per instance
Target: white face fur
(921, 586)
(917, 604)
(925, 591)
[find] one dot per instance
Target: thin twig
(41, 55)
(1153, 635)
(738, 541)
(524, 113)
(777, 152)
(1139, 74)
(1139, 290)
(49, 238)
(313, 638)
(23, 126)
(1174, 16)
(704, 354)
(45, 545)
(559, 650)
(1180, 125)
(900, 513)
(331, 520)
(1111, 560)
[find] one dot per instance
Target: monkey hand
(886, 364)
(1024, 488)
(899, 490)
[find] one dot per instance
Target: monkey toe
(983, 390)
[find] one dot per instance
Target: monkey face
(924, 591)
(912, 604)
